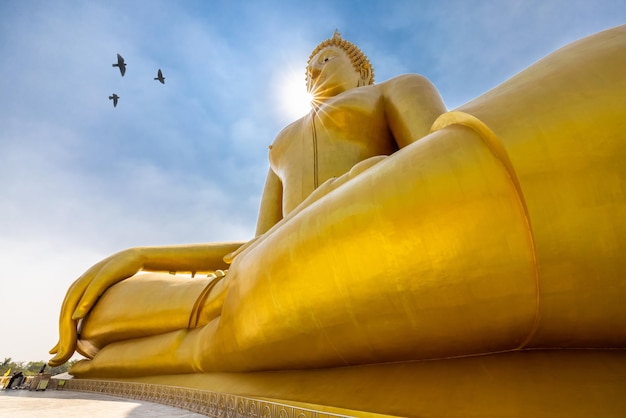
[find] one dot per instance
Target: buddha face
(331, 72)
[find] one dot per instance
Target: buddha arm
(183, 258)
(271, 210)
(192, 258)
(412, 103)
(84, 292)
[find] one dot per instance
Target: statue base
(537, 383)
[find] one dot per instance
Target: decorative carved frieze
(211, 404)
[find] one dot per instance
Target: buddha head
(336, 65)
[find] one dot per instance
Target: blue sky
(185, 162)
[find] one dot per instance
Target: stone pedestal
(537, 383)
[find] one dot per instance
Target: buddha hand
(83, 294)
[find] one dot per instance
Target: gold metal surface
(520, 384)
(396, 231)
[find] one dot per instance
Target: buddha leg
(169, 353)
(562, 123)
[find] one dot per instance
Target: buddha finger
(66, 346)
(114, 271)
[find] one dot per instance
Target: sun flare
(295, 101)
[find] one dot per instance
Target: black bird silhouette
(114, 97)
(121, 64)
(160, 77)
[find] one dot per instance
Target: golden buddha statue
(348, 128)
(392, 230)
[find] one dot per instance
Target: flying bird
(121, 64)
(160, 77)
(114, 97)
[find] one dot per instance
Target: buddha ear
(365, 78)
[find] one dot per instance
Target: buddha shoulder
(407, 84)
